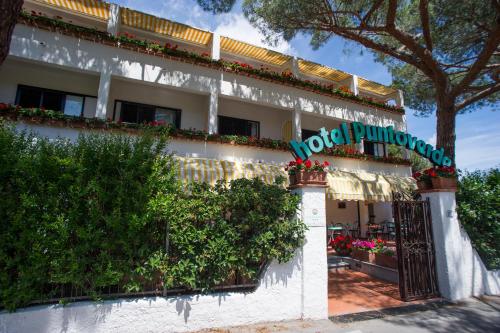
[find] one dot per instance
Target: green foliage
(478, 200)
(418, 163)
(107, 211)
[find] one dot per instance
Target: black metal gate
(415, 250)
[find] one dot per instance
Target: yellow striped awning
(210, 170)
(342, 185)
(374, 87)
(233, 46)
(94, 8)
(311, 68)
(365, 186)
(162, 26)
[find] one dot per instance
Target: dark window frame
(219, 117)
(178, 112)
(42, 90)
(373, 143)
(308, 131)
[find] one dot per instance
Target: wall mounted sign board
(341, 136)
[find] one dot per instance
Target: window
(34, 97)
(142, 113)
(374, 148)
(236, 126)
(306, 134)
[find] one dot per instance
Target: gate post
(314, 298)
(447, 243)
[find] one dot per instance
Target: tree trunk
(9, 12)
(445, 128)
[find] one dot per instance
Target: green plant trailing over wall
(478, 207)
(39, 115)
(129, 41)
(106, 214)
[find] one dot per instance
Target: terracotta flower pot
(303, 177)
(363, 256)
(424, 184)
(444, 183)
(386, 261)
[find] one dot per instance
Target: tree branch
(424, 18)
(370, 12)
(476, 97)
(482, 60)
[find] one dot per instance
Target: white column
(454, 254)
(400, 101)
(215, 46)
(353, 85)
(114, 19)
(295, 67)
(297, 124)
(103, 93)
(212, 111)
(314, 304)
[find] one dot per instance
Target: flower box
(363, 256)
(444, 183)
(424, 185)
(386, 261)
(303, 177)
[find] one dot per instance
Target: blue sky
(478, 133)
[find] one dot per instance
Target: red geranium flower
(298, 161)
(308, 163)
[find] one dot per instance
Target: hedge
(106, 214)
(478, 207)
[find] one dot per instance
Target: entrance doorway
(396, 265)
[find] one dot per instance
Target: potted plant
(342, 245)
(305, 172)
(444, 178)
(423, 180)
(362, 250)
(386, 257)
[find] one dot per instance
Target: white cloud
(432, 139)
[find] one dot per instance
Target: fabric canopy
(94, 8)
(342, 185)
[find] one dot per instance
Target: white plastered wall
(334, 214)
(271, 119)
(15, 72)
(193, 107)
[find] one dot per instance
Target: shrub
(106, 214)
(478, 207)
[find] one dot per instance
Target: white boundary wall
(461, 272)
(295, 290)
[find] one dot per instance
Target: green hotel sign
(341, 136)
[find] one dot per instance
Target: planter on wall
(424, 184)
(302, 178)
(440, 183)
(363, 256)
(386, 261)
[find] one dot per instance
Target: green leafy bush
(478, 200)
(106, 214)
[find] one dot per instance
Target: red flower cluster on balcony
(308, 165)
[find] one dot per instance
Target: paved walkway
(471, 316)
(351, 291)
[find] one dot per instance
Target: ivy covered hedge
(478, 207)
(106, 215)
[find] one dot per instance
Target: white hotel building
(60, 70)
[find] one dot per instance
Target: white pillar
(295, 67)
(103, 93)
(215, 46)
(297, 124)
(400, 101)
(353, 85)
(448, 245)
(114, 19)
(314, 304)
(213, 111)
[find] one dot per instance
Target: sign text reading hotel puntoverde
(341, 136)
